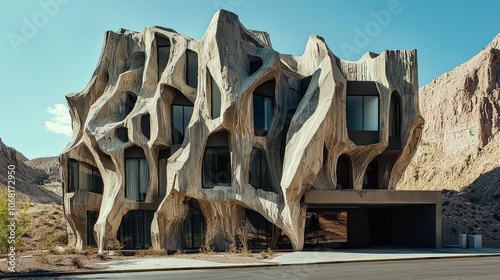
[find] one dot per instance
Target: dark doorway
(91, 220)
(380, 227)
(370, 180)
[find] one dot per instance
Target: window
(395, 116)
(135, 229)
(162, 172)
(136, 174)
(83, 176)
(344, 177)
(325, 227)
(258, 173)
(193, 227)
(215, 98)
(263, 106)
(163, 53)
(122, 134)
(130, 102)
(254, 64)
(370, 179)
(91, 220)
(145, 125)
(259, 230)
(217, 161)
(362, 112)
(182, 110)
(191, 68)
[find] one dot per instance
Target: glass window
(163, 53)
(191, 68)
(216, 167)
(136, 178)
(262, 114)
(135, 229)
(181, 115)
(259, 230)
(83, 176)
(193, 227)
(73, 175)
(259, 173)
(370, 113)
(355, 112)
(362, 113)
(215, 98)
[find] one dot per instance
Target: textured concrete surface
(300, 157)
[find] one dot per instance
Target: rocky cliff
(460, 147)
(460, 140)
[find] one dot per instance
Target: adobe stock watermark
(363, 36)
(11, 218)
(31, 25)
(226, 4)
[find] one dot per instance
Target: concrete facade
(177, 140)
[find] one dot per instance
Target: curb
(67, 273)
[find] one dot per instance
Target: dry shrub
(77, 261)
(209, 238)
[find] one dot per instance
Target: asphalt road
(462, 268)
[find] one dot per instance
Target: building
(176, 141)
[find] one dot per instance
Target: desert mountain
(36, 180)
(460, 147)
(461, 140)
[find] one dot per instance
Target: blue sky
(49, 48)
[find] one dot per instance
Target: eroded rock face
(460, 140)
(241, 102)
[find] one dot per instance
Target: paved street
(462, 268)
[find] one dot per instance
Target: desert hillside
(460, 148)
(460, 140)
(36, 181)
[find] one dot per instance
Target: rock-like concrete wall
(307, 134)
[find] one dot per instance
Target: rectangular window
(355, 112)
(262, 114)
(370, 110)
(136, 179)
(215, 99)
(163, 53)
(191, 68)
(83, 176)
(259, 176)
(362, 113)
(73, 175)
(181, 115)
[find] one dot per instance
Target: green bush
(22, 219)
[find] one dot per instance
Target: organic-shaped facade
(175, 139)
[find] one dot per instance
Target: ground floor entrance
(372, 218)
